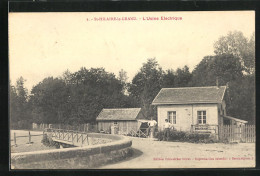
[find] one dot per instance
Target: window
(115, 122)
(172, 117)
(201, 117)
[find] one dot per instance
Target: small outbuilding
(120, 121)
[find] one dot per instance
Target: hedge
(187, 137)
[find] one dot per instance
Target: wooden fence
(232, 133)
(79, 127)
(29, 136)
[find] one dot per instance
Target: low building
(200, 109)
(122, 120)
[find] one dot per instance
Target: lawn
(22, 142)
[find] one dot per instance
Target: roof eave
(180, 103)
(115, 119)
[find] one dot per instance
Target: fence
(79, 127)
(233, 133)
(68, 136)
(29, 136)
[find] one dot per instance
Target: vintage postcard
(132, 90)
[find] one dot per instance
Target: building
(193, 108)
(122, 120)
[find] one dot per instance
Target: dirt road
(161, 154)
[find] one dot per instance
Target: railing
(142, 132)
(68, 136)
(204, 128)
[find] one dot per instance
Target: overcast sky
(46, 44)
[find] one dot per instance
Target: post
(72, 137)
(14, 139)
(29, 137)
(82, 138)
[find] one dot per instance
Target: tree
(19, 110)
(237, 44)
(93, 89)
(169, 79)
(183, 77)
(48, 100)
(123, 80)
(240, 92)
(146, 84)
(14, 116)
(223, 68)
(240, 98)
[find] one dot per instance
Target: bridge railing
(69, 136)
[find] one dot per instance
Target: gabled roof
(190, 95)
(118, 114)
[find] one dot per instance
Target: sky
(47, 44)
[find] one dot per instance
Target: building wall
(186, 115)
(124, 127)
(221, 112)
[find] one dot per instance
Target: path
(161, 154)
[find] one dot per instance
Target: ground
(23, 142)
(162, 154)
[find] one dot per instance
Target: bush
(186, 137)
(49, 142)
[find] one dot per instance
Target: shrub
(49, 142)
(186, 137)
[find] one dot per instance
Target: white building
(193, 108)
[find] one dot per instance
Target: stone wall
(77, 157)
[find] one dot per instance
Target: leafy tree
(237, 44)
(48, 100)
(14, 116)
(224, 67)
(19, 110)
(240, 98)
(123, 80)
(94, 89)
(183, 77)
(169, 79)
(146, 84)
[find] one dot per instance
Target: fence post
(72, 137)
(82, 138)
(14, 139)
(29, 137)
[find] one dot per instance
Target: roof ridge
(193, 87)
(119, 108)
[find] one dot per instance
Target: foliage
(186, 137)
(235, 43)
(240, 98)
(146, 84)
(49, 142)
(183, 77)
(224, 67)
(49, 100)
(19, 109)
(77, 97)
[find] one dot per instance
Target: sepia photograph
(132, 90)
